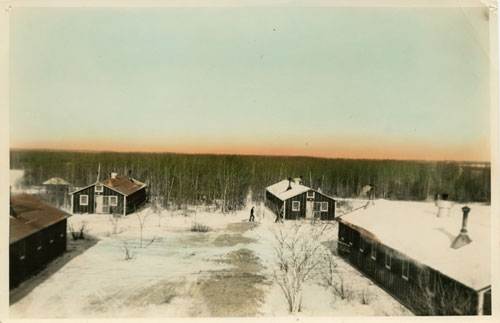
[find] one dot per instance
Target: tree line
(177, 180)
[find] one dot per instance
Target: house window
(350, 237)
(295, 205)
(406, 269)
(361, 244)
(22, 250)
(113, 200)
(84, 199)
(310, 194)
(99, 188)
(374, 251)
(388, 259)
(342, 232)
(324, 206)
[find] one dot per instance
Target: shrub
(197, 227)
(77, 234)
(128, 254)
(365, 296)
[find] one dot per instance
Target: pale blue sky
(333, 82)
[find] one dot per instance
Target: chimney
(444, 206)
(289, 183)
(129, 173)
(113, 175)
(463, 238)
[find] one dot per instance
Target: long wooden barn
(293, 201)
(116, 195)
(37, 236)
(406, 249)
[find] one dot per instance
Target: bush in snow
(79, 233)
(365, 296)
(113, 219)
(128, 254)
(331, 278)
(198, 227)
(342, 289)
(298, 254)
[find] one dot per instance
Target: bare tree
(128, 254)
(331, 278)
(142, 216)
(297, 249)
(114, 218)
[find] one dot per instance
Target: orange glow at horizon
(357, 148)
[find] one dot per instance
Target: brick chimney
(289, 184)
(463, 238)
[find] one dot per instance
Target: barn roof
(280, 189)
(31, 215)
(55, 181)
(121, 184)
(414, 229)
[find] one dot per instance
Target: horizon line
(240, 154)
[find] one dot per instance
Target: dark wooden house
(293, 200)
(116, 195)
(405, 248)
(37, 236)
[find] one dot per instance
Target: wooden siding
(330, 214)
(114, 209)
(91, 207)
(412, 292)
(90, 192)
(136, 200)
(294, 215)
(273, 203)
(38, 249)
(302, 198)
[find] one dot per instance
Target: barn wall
(136, 200)
(77, 208)
(39, 249)
(412, 291)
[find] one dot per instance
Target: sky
(390, 83)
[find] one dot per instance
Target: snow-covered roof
(280, 189)
(414, 229)
(55, 181)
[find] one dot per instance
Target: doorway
(98, 203)
(309, 209)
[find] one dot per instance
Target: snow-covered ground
(227, 271)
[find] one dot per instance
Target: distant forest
(176, 180)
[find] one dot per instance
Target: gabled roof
(55, 181)
(121, 184)
(31, 215)
(414, 229)
(280, 189)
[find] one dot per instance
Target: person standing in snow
(252, 218)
